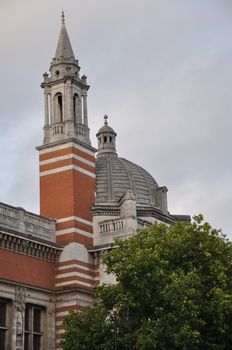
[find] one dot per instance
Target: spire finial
(62, 17)
(106, 121)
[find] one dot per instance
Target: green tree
(173, 291)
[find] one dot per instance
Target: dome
(115, 176)
(106, 129)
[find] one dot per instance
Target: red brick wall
(57, 195)
(25, 269)
(66, 193)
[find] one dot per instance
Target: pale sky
(161, 70)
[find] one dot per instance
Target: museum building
(50, 262)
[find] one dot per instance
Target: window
(74, 107)
(33, 327)
(4, 316)
(60, 108)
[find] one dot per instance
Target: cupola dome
(115, 175)
(106, 139)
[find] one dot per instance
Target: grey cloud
(160, 69)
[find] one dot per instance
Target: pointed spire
(64, 48)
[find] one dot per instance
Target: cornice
(57, 143)
(104, 210)
(29, 245)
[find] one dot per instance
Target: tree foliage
(173, 291)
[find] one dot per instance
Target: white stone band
(65, 168)
(74, 218)
(67, 145)
(73, 230)
(65, 157)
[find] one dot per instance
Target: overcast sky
(161, 70)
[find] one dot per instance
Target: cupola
(106, 139)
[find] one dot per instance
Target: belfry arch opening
(77, 108)
(59, 107)
(49, 109)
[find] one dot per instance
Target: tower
(67, 177)
(67, 162)
(48, 266)
(65, 95)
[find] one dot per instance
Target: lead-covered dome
(115, 176)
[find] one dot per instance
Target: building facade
(88, 197)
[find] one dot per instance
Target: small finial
(106, 117)
(62, 17)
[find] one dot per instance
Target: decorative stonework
(65, 96)
(102, 210)
(19, 311)
(20, 298)
(155, 213)
(30, 247)
(111, 226)
(27, 223)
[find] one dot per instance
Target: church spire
(65, 92)
(64, 48)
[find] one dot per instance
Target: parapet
(22, 221)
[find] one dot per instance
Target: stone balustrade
(20, 220)
(81, 129)
(111, 226)
(58, 128)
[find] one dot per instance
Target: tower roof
(64, 48)
(106, 128)
(106, 139)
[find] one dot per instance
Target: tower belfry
(67, 159)
(67, 174)
(65, 95)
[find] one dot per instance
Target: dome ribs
(115, 176)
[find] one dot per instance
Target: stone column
(78, 102)
(69, 101)
(85, 110)
(52, 109)
(46, 110)
(69, 104)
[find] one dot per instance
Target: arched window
(74, 106)
(59, 108)
(49, 110)
(77, 108)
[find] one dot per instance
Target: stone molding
(29, 247)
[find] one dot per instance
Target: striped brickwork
(67, 186)
(67, 302)
(67, 190)
(76, 273)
